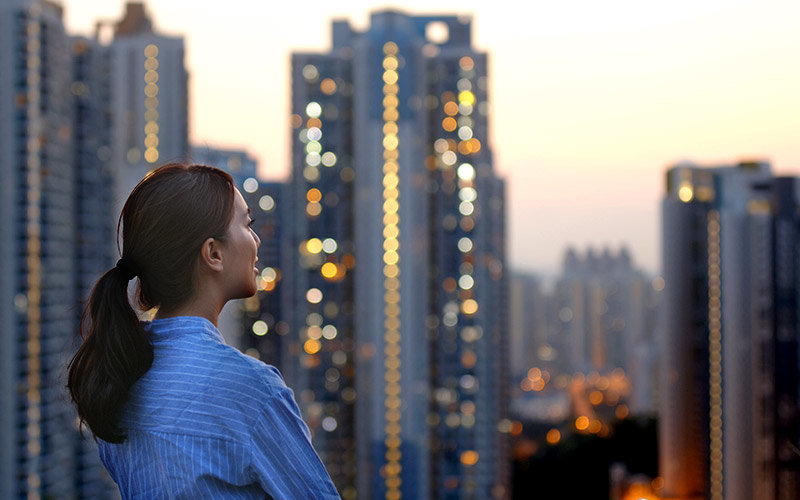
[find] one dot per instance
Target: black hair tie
(128, 271)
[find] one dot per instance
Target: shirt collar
(182, 326)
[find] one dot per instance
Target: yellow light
(151, 155)
(391, 245)
(390, 206)
(390, 142)
(391, 271)
(685, 193)
(390, 48)
(467, 97)
(151, 90)
(390, 115)
(314, 245)
(390, 128)
(390, 63)
(312, 346)
(390, 193)
(390, 101)
(390, 76)
(469, 306)
(391, 257)
(329, 270)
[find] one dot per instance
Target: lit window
(250, 185)
(313, 109)
(260, 328)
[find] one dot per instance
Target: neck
(203, 309)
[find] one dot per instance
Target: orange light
(327, 86)
(553, 436)
(449, 124)
(312, 346)
(596, 397)
(314, 195)
(469, 457)
(582, 423)
(451, 108)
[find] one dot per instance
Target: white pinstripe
(206, 421)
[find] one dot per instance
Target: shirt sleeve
(283, 459)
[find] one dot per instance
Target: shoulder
(237, 368)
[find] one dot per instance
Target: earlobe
(211, 254)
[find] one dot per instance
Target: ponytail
(163, 229)
(114, 354)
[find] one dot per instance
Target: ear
(211, 255)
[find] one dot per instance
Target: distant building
(149, 100)
(528, 325)
(49, 229)
(95, 224)
(238, 163)
(398, 329)
(729, 412)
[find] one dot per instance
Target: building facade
(397, 290)
(49, 228)
(149, 100)
(729, 401)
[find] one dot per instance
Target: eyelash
(251, 222)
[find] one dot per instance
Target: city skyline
(590, 103)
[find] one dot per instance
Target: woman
(178, 413)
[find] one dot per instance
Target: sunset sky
(590, 101)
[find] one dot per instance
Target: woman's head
(165, 221)
(180, 225)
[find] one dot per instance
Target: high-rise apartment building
(604, 310)
(396, 285)
(729, 393)
(46, 222)
(94, 223)
(149, 99)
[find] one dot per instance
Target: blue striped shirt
(207, 421)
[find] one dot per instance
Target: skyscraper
(397, 288)
(37, 248)
(149, 99)
(729, 397)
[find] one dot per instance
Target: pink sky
(590, 101)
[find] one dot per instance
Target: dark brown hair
(165, 221)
